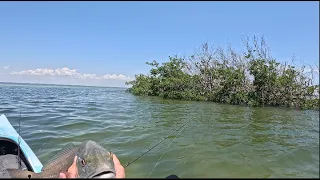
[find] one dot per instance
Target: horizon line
(48, 84)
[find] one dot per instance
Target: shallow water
(219, 140)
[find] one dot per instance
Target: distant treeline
(252, 78)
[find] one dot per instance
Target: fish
(59, 163)
(94, 161)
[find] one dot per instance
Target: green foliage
(252, 79)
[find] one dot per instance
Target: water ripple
(219, 141)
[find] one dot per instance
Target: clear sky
(106, 43)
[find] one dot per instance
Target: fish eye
(83, 162)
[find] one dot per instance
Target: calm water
(219, 140)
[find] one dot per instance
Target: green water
(219, 141)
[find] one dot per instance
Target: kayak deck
(9, 141)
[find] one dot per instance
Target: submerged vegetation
(252, 78)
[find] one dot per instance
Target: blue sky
(115, 39)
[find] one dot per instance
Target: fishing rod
(156, 144)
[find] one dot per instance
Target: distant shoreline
(18, 83)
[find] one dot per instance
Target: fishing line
(164, 152)
(41, 147)
(156, 145)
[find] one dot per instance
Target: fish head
(93, 160)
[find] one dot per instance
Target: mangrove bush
(252, 78)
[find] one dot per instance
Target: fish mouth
(103, 169)
(104, 174)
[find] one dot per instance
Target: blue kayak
(10, 146)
